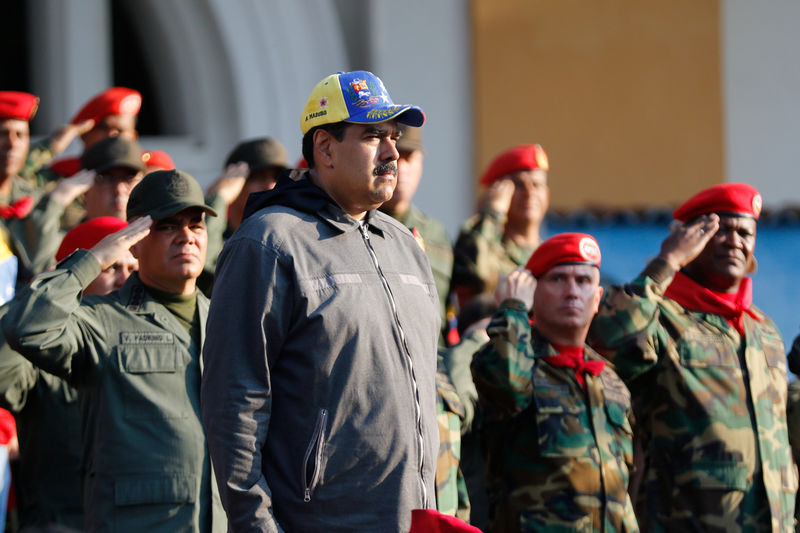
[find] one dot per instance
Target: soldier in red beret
(111, 113)
(707, 372)
(157, 160)
(28, 235)
(556, 417)
(506, 231)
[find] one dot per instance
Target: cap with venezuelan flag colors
(358, 97)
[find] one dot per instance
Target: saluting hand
(113, 246)
(519, 284)
(70, 188)
(499, 196)
(64, 135)
(686, 241)
(231, 182)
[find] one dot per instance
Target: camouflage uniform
(559, 458)
(35, 170)
(457, 360)
(41, 177)
(481, 254)
(451, 490)
(711, 407)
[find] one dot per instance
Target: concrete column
(71, 55)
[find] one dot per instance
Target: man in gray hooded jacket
(318, 395)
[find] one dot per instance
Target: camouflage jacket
(35, 170)
(559, 456)
(481, 254)
(711, 409)
(451, 490)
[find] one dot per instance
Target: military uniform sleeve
(626, 330)
(41, 233)
(40, 154)
(215, 227)
(470, 273)
(17, 375)
(247, 324)
(46, 323)
(503, 368)
(457, 360)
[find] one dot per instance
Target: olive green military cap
(410, 140)
(111, 153)
(259, 153)
(163, 193)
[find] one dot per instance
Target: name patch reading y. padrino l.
(146, 337)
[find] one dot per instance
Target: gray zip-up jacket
(319, 392)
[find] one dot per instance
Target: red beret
(301, 163)
(523, 157)
(431, 521)
(17, 105)
(66, 167)
(114, 101)
(157, 158)
(87, 234)
(727, 198)
(564, 248)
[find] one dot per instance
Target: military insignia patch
(130, 104)
(757, 205)
(361, 94)
(541, 158)
(589, 250)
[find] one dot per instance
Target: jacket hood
(294, 190)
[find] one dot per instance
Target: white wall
(230, 70)
(761, 79)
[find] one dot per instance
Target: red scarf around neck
(18, 209)
(572, 357)
(731, 305)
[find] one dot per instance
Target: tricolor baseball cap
(358, 97)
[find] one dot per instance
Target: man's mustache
(385, 168)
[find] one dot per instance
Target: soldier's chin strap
(572, 357)
(732, 306)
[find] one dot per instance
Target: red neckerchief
(572, 357)
(18, 209)
(731, 305)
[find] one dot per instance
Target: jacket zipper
(314, 448)
(417, 408)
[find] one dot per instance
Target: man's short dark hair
(336, 129)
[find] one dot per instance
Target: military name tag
(146, 337)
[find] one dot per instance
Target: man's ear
(598, 299)
(323, 155)
(135, 251)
